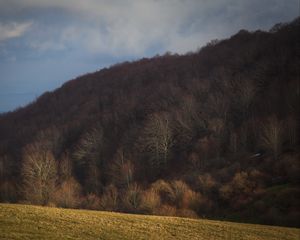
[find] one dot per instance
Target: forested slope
(212, 134)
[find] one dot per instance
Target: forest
(208, 134)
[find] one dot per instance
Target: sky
(44, 43)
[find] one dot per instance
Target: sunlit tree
(39, 173)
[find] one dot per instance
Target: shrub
(179, 189)
(109, 200)
(132, 198)
(191, 200)
(226, 191)
(206, 183)
(167, 210)
(163, 188)
(150, 201)
(288, 167)
(243, 188)
(67, 195)
(176, 193)
(91, 201)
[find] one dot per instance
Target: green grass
(34, 222)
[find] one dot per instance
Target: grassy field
(33, 222)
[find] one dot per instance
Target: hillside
(29, 222)
(209, 134)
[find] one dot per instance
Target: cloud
(127, 27)
(13, 29)
(136, 27)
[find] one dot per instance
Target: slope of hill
(30, 222)
(207, 134)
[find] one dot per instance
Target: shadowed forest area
(212, 134)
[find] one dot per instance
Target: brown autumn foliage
(67, 194)
(150, 202)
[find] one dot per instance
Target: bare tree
(247, 90)
(272, 135)
(122, 170)
(89, 157)
(219, 105)
(292, 130)
(5, 167)
(52, 139)
(8, 192)
(39, 173)
(158, 140)
(244, 91)
(109, 200)
(90, 146)
(233, 142)
(92, 181)
(65, 168)
(188, 120)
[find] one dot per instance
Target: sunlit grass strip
(33, 222)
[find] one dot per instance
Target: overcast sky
(44, 43)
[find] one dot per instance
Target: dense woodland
(213, 134)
